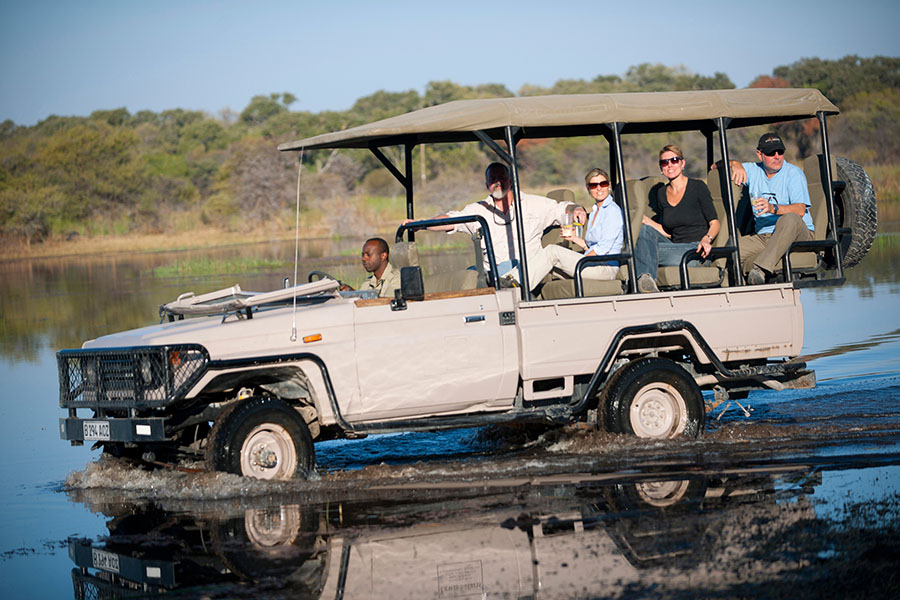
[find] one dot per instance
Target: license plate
(105, 560)
(96, 430)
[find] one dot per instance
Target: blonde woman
(603, 233)
(685, 220)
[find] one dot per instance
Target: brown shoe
(646, 285)
(756, 276)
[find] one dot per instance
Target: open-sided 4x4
(250, 380)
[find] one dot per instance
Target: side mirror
(411, 287)
(411, 284)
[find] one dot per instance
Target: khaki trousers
(766, 250)
(564, 260)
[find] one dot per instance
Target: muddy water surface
(802, 496)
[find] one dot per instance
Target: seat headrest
(562, 195)
(404, 254)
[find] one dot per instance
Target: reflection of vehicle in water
(589, 537)
(154, 551)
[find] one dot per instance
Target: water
(485, 512)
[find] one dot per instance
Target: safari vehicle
(250, 381)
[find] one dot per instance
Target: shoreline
(149, 243)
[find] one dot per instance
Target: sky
(72, 58)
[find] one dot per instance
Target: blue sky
(71, 58)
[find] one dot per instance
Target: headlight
(90, 372)
(146, 370)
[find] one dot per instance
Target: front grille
(143, 376)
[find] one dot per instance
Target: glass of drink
(567, 225)
(761, 204)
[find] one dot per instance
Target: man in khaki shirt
(375, 260)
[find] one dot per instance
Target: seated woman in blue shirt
(685, 220)
(603, 233)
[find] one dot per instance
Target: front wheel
(261, 437)
(656, 398)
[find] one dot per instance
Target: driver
(375, 260)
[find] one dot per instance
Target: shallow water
(816, 472)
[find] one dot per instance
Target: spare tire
(856, 210)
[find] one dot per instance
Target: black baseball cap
(770, 142)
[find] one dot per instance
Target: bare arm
(738, 173)
(433, 227)
(768, 208)
(704, 246)
(645, 220)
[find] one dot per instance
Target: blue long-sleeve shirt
(605, 228)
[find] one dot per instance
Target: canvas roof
(577, 114)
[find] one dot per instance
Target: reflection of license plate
(105, 560)
(96, 430)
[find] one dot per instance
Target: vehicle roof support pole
(710, 152)
(619, 168)
(405, 180)
(613, 176)
(733, 238)
(511, 135)
(490, 143)
(407, 159)
(829, 195)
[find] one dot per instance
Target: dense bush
(117, 172)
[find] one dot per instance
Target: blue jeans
(654, 250)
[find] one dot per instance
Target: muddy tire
(261, 437)
(857, 210)
(656, 398)
(608, 420)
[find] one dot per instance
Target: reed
(206, 266)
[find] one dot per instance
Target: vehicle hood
(267, 332)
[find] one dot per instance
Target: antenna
(296, 248)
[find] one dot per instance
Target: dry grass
(355, 215)
(886, 179)
(112, 244)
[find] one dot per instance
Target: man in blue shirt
(780, 199)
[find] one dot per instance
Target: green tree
(382, 104)
(96, 167)
(116, 117)
(842, 78)
(263, 108)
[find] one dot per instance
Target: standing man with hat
(780, 199)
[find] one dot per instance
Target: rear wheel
(261, 437)
(656, 398)
(857, 210)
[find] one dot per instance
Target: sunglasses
(665, 161)
(599, 184)
(774, 152)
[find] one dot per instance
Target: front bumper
(112, 430)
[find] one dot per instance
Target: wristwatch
(775, 209)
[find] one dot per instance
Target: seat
(713, 275)
(808, 262)
(406, 254)
(558, 289)
(802, 263)
(639, 195)
(553, 235)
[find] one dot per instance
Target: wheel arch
(641, 341)
(301, 380)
